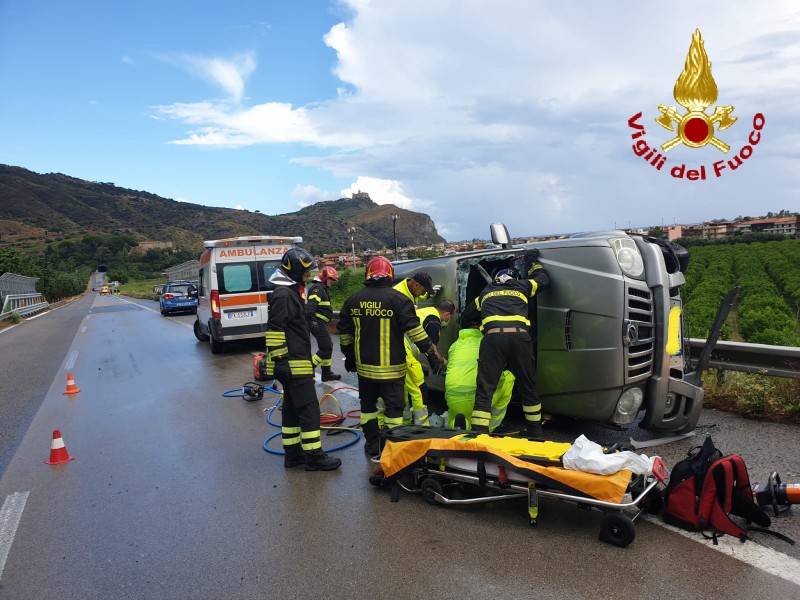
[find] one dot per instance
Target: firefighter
(506, 307)
(418, 286)
(289, 361)
(432, 320)
(461, 379)
(319, 313)
(372, 324)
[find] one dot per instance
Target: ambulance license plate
(242, 314)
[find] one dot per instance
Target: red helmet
(328, 273)
(379, 267)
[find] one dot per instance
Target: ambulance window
(267, 269)
(236, 278)
(202, 285)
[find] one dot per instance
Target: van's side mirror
(499, 234)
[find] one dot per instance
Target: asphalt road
(171, 495)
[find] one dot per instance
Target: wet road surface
(171, 495)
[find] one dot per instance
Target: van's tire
(198, 333)
(216, 345)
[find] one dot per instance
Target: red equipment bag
(260, 367)
(706, 488)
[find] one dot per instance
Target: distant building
(684, 231)
(716, 230)
(153, 245)
(778, 225)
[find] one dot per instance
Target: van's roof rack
(252, 239)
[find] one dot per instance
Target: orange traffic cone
(58, 451)
(71, 387)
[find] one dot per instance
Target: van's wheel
(216, 345)
(429, 488)
(198, 333)
(617, 529)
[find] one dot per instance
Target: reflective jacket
(402, 287)
(372, 323)
(506, 304)
(318, 302)
(431, 322)
(460, 382)
(288, 335)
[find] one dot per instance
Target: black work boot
(534, 430)
(460, 422)
(372, 438)
(317, 460)
(293, 456)
(328, 375)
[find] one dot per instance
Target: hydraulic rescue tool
(775, 494)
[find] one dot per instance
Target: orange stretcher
(437, 462)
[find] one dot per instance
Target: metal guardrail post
(777, 361)
(22, 304)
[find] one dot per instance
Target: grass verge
(141, 289)
(752, 395)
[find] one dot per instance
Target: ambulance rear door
(243, 271)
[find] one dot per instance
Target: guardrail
(22, 304)
(777, 361)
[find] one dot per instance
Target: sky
(474, 112)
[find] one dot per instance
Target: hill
(36, 208)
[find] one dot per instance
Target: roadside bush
(758, 396)
(349, 283)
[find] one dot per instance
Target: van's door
(265, 267)
(239, 294)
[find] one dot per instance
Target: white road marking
(769, 560)
(73, 356)
(83, 329)
(140, 306)
(10, 515)
(4, 329)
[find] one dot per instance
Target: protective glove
(282, 371)
(436, 289)
(350, 364)
(314, 326)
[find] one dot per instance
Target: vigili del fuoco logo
(695, 90)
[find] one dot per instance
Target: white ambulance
(233, 287)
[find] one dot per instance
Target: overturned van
(233, 287)
(610, 337)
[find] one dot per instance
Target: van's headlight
(628, 406)
(628, 256)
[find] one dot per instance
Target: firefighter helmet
(504, 275)
(379, 267)
(328, 274)
(297, 261)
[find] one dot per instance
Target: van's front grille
(639, 351)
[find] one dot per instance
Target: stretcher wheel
(617, 529)
(429, 488)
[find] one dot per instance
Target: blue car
(178, 296)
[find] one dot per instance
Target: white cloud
(229, 74)
(182, 199)
(238, 207)
(516, 111)
(306, 195)
(384, 191)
